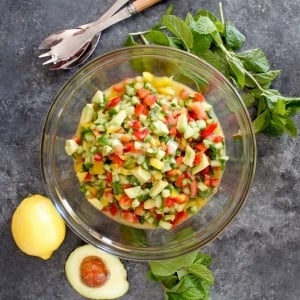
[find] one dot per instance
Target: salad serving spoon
(71, 47)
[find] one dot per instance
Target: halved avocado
(95, 274)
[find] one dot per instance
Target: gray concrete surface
(258, 255)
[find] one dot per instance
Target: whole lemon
(37, 227)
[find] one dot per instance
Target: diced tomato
(140, 109)
(171, 120)
(113, 209)
(205, 171)
(130, 217)
(125, 202)
(141, 134)
(184, 94)
(193, 188)
(140, 211)
(169, 202)
(179, 160)
(210, 128)
(98, 157)
(88, 177)
(181, 198)
(149, 100)
(218, 139)
(173, 131)
(109, 196)
(180, 217)
(113, 102)
(198, 109)
(199, 97)
(191, 116)
(214, 182)
(116, 159)
(142, 93)
(136, 125)
(201, 147)
(198, 158)
(179, 180)
(207, 180)
(125, 138)
(119, 87)
(174, 172)
(77, 139)
(108, 177)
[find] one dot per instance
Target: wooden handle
(140, 5)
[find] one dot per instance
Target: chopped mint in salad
(148, 151)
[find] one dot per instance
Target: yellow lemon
(37, 227)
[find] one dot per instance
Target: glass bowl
(63, 187)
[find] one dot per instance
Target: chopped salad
(148, 151)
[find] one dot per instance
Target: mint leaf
(204, 259)
(169, 266)
(233, 37)
(157, 37)
(202, 272)
(190, 287)
(238, 70)
(178, 27)
(264, 79)
(204, 25)
(254, 60)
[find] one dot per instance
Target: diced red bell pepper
(113, 102)
(136, 125)
(116, 159)
(180, 217)
(141, 134)
(140, 109)
(210, 128)
(113, 209)
(108, 177)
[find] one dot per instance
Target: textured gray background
(258, 255)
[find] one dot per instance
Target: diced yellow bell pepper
(98, 168)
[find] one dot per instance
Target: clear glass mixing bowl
(63, 187)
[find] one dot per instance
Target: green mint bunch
(186, 277)
(219, 43)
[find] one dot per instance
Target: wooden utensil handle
(140, 5)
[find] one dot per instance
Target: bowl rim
(137, 253)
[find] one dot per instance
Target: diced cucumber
(87, 114)
(157, 188)
(189, 156)
(202, 165)
(165, 225)
(150, 203)
(141, 174)
(160, 128)
(71, 147)
(98, 98)
(118, 119)
(133, 192)
(182, 123)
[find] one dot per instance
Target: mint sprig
(186, 277)
(218, 42)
